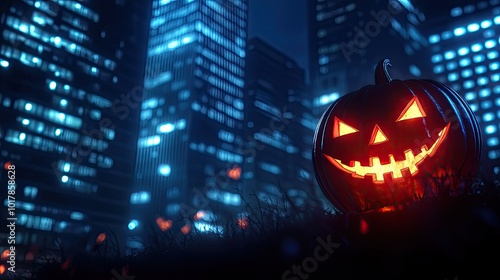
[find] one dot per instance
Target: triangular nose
(377, 136)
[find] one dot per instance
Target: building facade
(278, 123)
(348, 39)
(190, 146)
(464, 42)
(66, 72)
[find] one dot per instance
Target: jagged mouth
(394, 168)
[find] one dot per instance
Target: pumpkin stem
(381, 74)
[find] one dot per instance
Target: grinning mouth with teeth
(394, 168)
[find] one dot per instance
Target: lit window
(476, 47)
(455, 12)
(64, 179)
(164, 170)
(492, 55)
(496, 89)
(446, 35)
(28, 106)
(488, 117)
(495, 77)
(473, 107)
(486, 24)
(487, 104)
(490, 129)
(464, 62)
(434, 39)
(485, 92)
(463, 51)
(452, 77)
(149, 141)
(469, 84)
(494, 66)
(494, 154)
(480, 69)
(449, 55)
(140, 197)
(493, 141)
(30, 191)
(466, 73)
(470, 96)
(496, 20)
(133, 224)
(63, 102)
(482, 81)
(166, 128)
(473, 27)
(490, 44)
(438, 69)
(459, 31)
(25, 122)
(478, 58)
(4, 63)
(437, 58)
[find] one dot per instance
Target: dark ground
(452, 238)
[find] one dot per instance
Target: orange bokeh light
(242, 223)
(199, 215)
(6, 165)
(363, 226)
(163, 224)
(185, 229)
(234, 173)
(5, 254)
(100, 238)
(2, 269)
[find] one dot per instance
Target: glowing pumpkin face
(371, 144)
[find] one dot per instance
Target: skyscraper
(464, 42)
(276, 121)
(191, 119)
(67, 69)
(348, 38)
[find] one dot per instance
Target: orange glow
(199, 215)
(6, 165)
(340, 128)
(185, 229)
(163, 224)
(242, 222)
(100, 238)
(386, 209)
(2, 269)
(395, 168)
(234, 173)
(412, 111)
(5, 254)
(377, 136)
(363, 226)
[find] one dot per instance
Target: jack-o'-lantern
(380, 145)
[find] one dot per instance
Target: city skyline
(170, 119)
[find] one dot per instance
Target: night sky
(283, 24)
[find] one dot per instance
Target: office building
(464, 43)
(276, 121)
(348, 39)
(190, 145)
(66, 72)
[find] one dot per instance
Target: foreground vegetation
(440, 238)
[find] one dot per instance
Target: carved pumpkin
(381, 145)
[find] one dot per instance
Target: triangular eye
(340, 128)
(412, 111)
